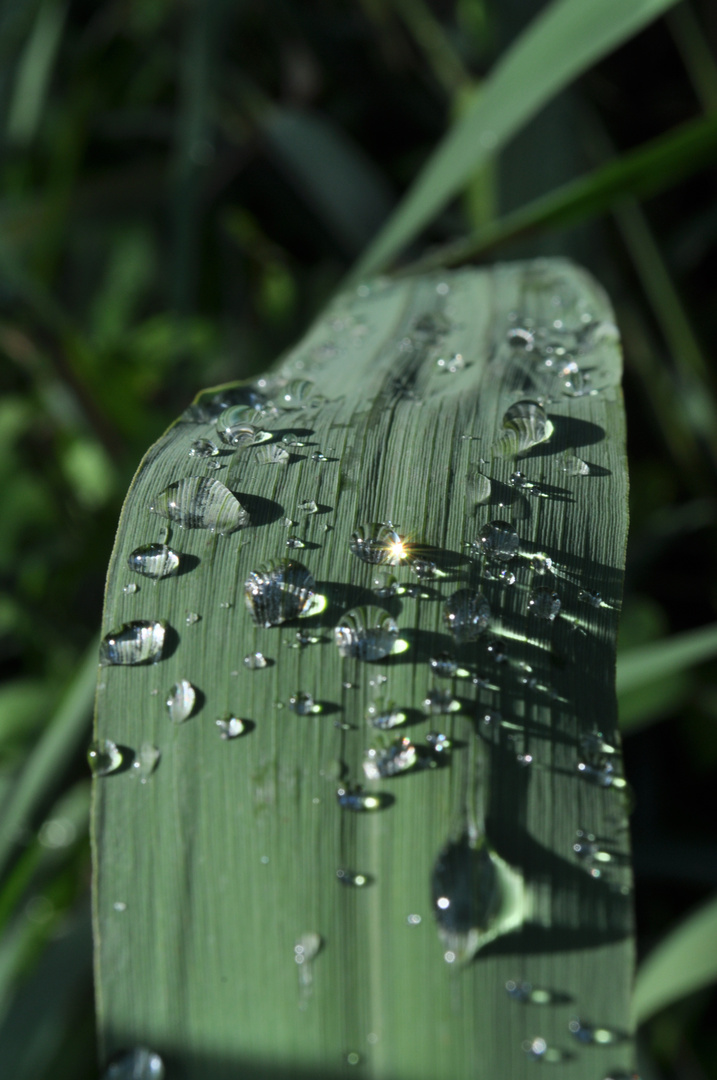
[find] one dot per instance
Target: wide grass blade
(219, 876)
(639, 667)
(562, 42)
(685, 961)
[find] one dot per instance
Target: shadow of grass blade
(246, 923)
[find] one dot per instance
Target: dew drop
(203, 448)
(358, 800)
(384, 715)
(439, 743)
(477, 896)
(353, 878)
(593, 744)
(191, 618)
(303, 704)
(104, 757)
(602, 774)
(201, 503)
(496, 651)
(525, 425)
(541, 563)
(308, 507)
(231, 727)
(424, 569)
(572, 465)
(145, 762)
(384, 584)
(366, 633)
(255, 661)
(466, 613)
(274, 454)
(278, 591)
(318, 456)
(452, 364)
(136, 1064)
(544, 603)
(181, 701)
(593, 598)
(234, 429)
(443, 665)
(498, 540)
(527, 994)
(479, 487)
(353, 1058)
(307, 947)
(120, 906)
(154, 561)
(392, 760)
(589, 1034)
(299, 394)
(538, 1050)
(377, 543)
(439, 702)
(294, 542)
(137, 642)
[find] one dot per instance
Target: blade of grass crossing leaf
(640, 666)
(684, 961)
(227, 858)
(562, 42)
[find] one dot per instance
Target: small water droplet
(136, 1064)
(303, 704)
(215, 464)
(145, 762)
(137, 642)
(294, 542)
(377, 543)
(592, 598)
(439, 743)
(274, 454)
(318, 456)
(439, 702)
(424, 569)
(130, 589)
(235, 430)
(181, 701)
(192, 617)
(396, 758)
(544, 603)
(590, 1034)
(104, 757)
(353, 1058)
(255, 661)
(466, 614)
(541, 563)
(154, 561)
(292, 440)
(384, 714)
(572, 465)
(477, 896)
(358, 800)
(602, 774)
(352, 878)
(201, 503)
(498, 540)
(203, 448)
(496, 651)
(414, 920)
(278, 591)
(299, 394)
(452, 364)
(525, 425)
(384, 584)
(231, 727)
(538, 1050)
(366, 633)
(443, 665)
(307, 507)
(120, 906)
(307, 947)
(526, 994)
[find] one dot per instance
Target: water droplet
(439, 743)
(520, 337)
(255, 661)
(414, 920)
(525, 425)
(278, 591)
(307, 507)
(214, 464)
(602, 774)
(303, 704)
(538, 1050)
(479, 487)
(498, 540)
(384, 714)
(292, 440)
(181, 701)
(136, 1064)
(130, 589)
(544, 603)
(526, 994)
(353, 1058)
(299, 394)
(192, 617)
(439, 702)
(451, 364)
(424, 569)
(358, 800)
(137, 642)
(592, 598)
(203, 448)
(572, 465)
(119, 905)
(294, 542)
(231, 727)
(104, 757)
(145, 762)
(366, 633)
(443, 665)
(466, 614)
(352, 878)
(477, 896)
(318, 456)
(235, 430)
(592, 1035)
(307, 947)
(541, 563)
(392, 760)
(274, 454)
(154, 561)
(377, 543)
(201, 503)
(384, 584)
(496, 651)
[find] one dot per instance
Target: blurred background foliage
(183, 185)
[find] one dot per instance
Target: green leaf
(638, 667)
(684, 961)
(211, 873)
(562, 42)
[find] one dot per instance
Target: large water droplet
(572, 465)
(137, 1064)
(181, 701)
(498, 540)
(104, 757)
(525, 425)
(137, 642)
(154, 561)
(272, 455)
(544, 603)
(278, 591)
(201, 503)
(234, 429)
(231, 727)
(477, 897)
(203, 448)
(367, 633)
(466, 613)
(145, 762)
(392, 760)
(377, 543)
(255, 661)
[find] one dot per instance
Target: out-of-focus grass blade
(563, 41)
(213, 875)
(34, 71)
(639, 667)
(643, 172)
(684, 961)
